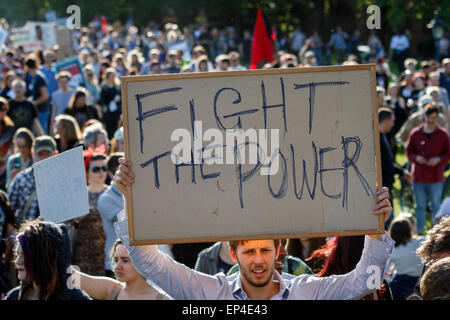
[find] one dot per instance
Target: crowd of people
(42, 115)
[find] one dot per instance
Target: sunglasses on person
(97, 169)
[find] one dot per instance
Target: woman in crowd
(111, 100)
(406, 85)
(68, 134)
(22, 158)
(201, 64)
(91, 86)
(7, 92)
(79, 107)
(407, 265)
(8, 230)
(119, 65)
(117, 143)
(396, 102)
(6, 137)
(130, 285)
(105, 64)
(135, 60)
(340, 255)
(89, 237)
(43, 257)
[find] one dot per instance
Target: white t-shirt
(405, 259)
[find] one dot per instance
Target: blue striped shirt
(183, 283)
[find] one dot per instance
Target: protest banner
(72, 65)
(196, 181)
(61, 186)
(43, 33)
(22, 37)
(35, 36)
(65, 43)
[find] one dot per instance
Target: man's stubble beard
(250, 281)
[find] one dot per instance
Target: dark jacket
(387, 163)
(208, 260)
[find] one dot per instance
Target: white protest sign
(22, 37)
(61, 186)
(43, 33)
(191, 185)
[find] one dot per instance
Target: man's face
(234, 61)
(19, 90)
(155, 69)
(388, 124)
(172, 59)
(431, 120)
(223, 65)
(63, 83)
(48, 58)
(42, 155)
(419, 84)
(434, 81)
(256, 259)
(447, 68)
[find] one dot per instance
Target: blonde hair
(109, 71)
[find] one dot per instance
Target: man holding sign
(256, 259)
(22, 191)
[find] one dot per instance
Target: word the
(295, 174)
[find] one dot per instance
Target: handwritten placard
(61, 186)
(308, 163)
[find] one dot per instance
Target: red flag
(104, 24)
(262, 46)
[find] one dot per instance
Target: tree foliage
(322, 15)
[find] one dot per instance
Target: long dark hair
(41, 248)
(340, 254)
(400, 231)
(79, 92)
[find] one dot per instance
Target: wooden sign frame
(128, 197)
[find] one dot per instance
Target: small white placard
(61, 186)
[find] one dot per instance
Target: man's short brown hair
(234, 244)
(64, 74)
(430, 108)
(384, 113)
(113, 161)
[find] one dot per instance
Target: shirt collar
(238, 291)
